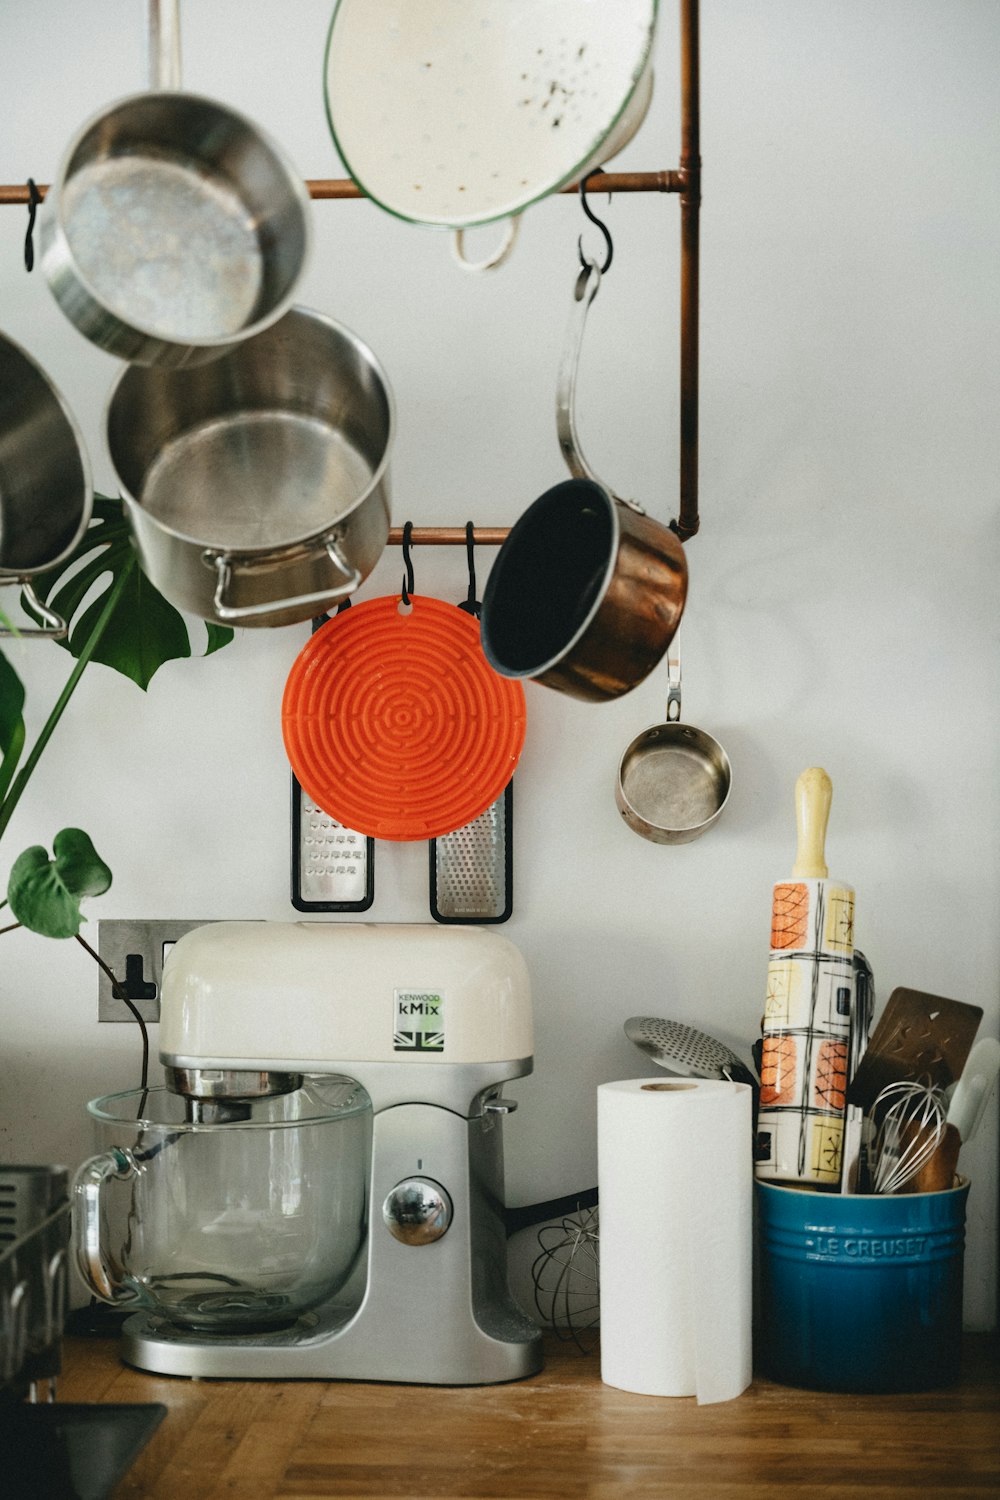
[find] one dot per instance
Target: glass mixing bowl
(225, 1220)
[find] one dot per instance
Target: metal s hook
(408, 564)
(605, 231)
(34, 198)
(470, 603)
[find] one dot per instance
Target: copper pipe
(449, 536)
(690, 171)
(343, 187)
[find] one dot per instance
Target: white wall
(842, 587)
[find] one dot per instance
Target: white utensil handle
(972, 1092)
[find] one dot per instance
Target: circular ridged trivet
(396, 725)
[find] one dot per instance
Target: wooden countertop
(562, 1433)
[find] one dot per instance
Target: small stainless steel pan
(46, 494)
(673, 780)
(174, 227)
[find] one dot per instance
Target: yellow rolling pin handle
(813, 794)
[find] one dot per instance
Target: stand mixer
(431, 1022)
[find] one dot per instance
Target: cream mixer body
(430, 1022)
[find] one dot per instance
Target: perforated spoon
(684, 1050)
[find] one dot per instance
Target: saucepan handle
(226, 567)
(88, 1190)
(587, 285)
(53, 625)
(674, 682)
(163, 43)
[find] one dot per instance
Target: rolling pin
(808, 1007)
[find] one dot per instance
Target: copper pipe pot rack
(686, 182)
(325, 188)
(449, 536)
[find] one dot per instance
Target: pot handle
(53, 625)
(492, 261)
(588, 284)
(674, 683)
(88, 1187)
(234, 613)
(163, 44)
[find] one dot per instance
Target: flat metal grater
(471, 870)
(333, 868)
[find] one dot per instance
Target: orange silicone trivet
(396, 725)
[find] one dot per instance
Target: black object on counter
(65, 1451)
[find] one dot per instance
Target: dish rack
(34, 1278)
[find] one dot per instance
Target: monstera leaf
(144, 631)
(11, 722)
(45, 894)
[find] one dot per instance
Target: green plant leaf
(11, 703)
(11, 722)
(145, 631)
(45, 894)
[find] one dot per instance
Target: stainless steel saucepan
(673, 780)
(46, 494)
(257, 486)
(174, 227)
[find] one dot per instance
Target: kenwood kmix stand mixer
(318, 1190)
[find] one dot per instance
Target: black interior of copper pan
(547, 578)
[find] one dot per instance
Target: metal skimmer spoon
(682, 1049)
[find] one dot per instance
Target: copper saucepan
(587, 591)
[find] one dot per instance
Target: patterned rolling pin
(807, 1009)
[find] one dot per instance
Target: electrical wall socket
(135, 952)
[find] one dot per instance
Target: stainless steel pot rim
(516, 534)
(59, 401)
(665, 738)
(272, 553)
(110, 1110)
(64, 249)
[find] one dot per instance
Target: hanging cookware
(587, 590)
(509, 103)
(256, 486)
(673, 780)
(333, 868)
(174, 227)
(472, 868)
(46, 494)
(394, 723)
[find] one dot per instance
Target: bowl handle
(88, 1187)
(492, 261)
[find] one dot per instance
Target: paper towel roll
(675, 1183)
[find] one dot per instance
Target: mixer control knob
(417, 1211)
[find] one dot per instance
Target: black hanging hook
(606, 232)
(407, 563)
(470, 603)
(34, 198)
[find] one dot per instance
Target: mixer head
(248, 1008)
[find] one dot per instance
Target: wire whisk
(911, 1120)
(566, 1278)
